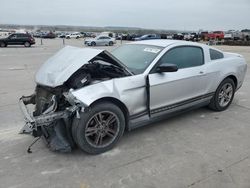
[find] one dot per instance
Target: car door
(172, 91)
(107, 40)
(13, 39)
(22, 38)
(102, 40)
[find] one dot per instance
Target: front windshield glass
(136, 57)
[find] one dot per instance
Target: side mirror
(167, 68)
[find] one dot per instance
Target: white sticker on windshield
(152, 50)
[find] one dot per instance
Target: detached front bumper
(33, 122)
(54, 126)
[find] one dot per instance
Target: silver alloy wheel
(2, 44)
(225, 94)
(102, 129)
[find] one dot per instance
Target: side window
(214, 54)
(21, 36)
(184, 57)
(13, 36)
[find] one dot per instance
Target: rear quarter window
(214, 54)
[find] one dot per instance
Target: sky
(151, 14)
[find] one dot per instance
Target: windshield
(136, 57)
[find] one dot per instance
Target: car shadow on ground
(17, 47)
(129, 135)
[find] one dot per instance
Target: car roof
(164, 42)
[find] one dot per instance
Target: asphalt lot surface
(200, 148)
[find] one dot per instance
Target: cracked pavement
(200, 148)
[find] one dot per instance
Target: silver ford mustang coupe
(87, 97)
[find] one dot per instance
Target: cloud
(159, 14)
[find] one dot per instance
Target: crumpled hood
(57, 69)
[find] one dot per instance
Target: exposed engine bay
(96, 71)
(53, 113)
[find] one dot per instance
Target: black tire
(93, 43)
(2, 44)
(216, 103)
(27, 44)
(77, 37)
(97, 120)
(111, 43)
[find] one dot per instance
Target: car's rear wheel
(99, 129)
(111, 43)
(2, 44)
(93, 43)
(223, 96)
(27, 44)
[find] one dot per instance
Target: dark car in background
(148, 37)
(48, 35)
(133, 36)
(203, 35)
(18, 39)
(62, 35)
(178, 36)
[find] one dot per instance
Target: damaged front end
(54, 106)
(51, 118)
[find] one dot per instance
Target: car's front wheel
(99, 129)
(93, 43)
(223, 96)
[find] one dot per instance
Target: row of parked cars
(192, 36)
(189, 36)
(109, 38)
(67, 35)
(27, 40)
(228, 35)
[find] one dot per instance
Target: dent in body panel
(130, 90)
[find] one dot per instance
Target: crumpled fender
(91, 93)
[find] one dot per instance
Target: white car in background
(233, 35)
(100, 40)
(75, 35)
